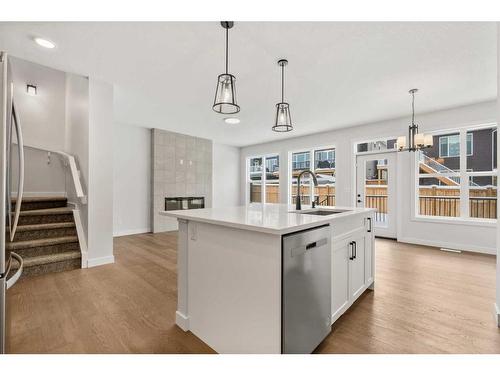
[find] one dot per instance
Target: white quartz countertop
(266, 218)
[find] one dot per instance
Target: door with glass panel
(376, 188)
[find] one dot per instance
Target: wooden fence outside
(433, 200)
(325, 194)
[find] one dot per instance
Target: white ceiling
(339, 74)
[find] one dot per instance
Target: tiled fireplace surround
(182, 167)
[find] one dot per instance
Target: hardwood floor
(425, 301)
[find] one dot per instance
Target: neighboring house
(481, 154)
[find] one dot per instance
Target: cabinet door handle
(370, 227)
(355, 249)
(351, 250)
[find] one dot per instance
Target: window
(323, 165)
(324, 168)
(448, 186)
(301, 160)
(255, 179)
(449, 145)
(263, 179)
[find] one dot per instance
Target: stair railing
(440, 168)
(69, 161)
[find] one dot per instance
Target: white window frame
(312, 162)
(448, 144)
(464, 175)
(263, 176)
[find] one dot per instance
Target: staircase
(46, 236)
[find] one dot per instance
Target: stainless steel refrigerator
(11, 141)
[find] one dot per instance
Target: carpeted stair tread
(46, 236)
(29, 227)
(40, 242)
(46, 259)
(47, 211)
(39, 203)
(40, 199)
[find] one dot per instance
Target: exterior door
(376, 188)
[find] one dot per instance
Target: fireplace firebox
(184, 203)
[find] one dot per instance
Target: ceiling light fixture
(283, 121)
(416, 141)
(232, 120)
(225, 94)
(44, 43)
(31, 89)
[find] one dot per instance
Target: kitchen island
(230, 269)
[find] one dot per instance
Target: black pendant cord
(227, 49)
(413, 108)
(282, 83)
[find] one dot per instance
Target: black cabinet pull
(311, 245)
(370, 227)
(351, 250)
(355, 249)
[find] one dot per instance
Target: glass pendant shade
(401, 143)
(225, 95)
(283, 121)
(419, 139)
(428, 140)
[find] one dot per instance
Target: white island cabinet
(230, 270)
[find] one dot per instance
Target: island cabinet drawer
(348, 225)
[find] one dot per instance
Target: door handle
(355, 249)
(13, 279)
(351, 250)
(370, 221)
(20, 183)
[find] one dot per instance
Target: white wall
(44, 175)
(77, 141)
(497, 305)
(226, 175)
(131, 179)
(100, 181)
(42, 116)
(468, 237)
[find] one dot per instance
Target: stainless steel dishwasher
(306, 289)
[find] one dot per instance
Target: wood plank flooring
(425, 301)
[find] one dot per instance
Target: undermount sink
(320, 212)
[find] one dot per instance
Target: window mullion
(464, 179)
(264, 182)
(311, 182)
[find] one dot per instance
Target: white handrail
(75, 174)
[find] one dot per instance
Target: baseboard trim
(496, 311)
(182, 321)
(129, 232)
(448, 245)
(94, 262)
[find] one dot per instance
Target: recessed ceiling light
(232, 120)
(44, 43)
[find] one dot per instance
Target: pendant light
(283, 121)
(225, 94)
(416, 141)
